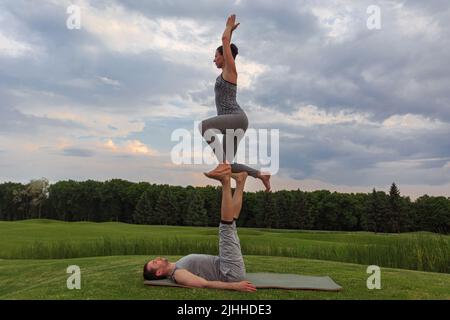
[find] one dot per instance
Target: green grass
(121, 278)
(46, 239)
(35, 254)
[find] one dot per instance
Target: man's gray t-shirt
(202, 265)
(228, 266)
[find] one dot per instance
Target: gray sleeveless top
(226, 97)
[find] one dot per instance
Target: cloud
(130, 146)
(411, 122)
(111, 82)
(76, 152)
(356, 108)
(13, 48)
(13, 121)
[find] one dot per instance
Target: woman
(229, 113)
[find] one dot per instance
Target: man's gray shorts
(232, 266)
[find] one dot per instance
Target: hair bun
(234, 49)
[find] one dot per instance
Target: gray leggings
(222, 122)
(232, 266)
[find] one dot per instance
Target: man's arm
(186, 278)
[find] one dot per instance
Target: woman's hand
(231, 22)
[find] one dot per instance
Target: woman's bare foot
(222, 170)
(265, 178)
(219, 176)
(240, 176)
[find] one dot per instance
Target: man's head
(156, 269)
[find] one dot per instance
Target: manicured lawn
(120, 278)
(35, 254)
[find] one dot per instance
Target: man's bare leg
(227, 210)
(238, 192)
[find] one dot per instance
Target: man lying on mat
(225, 271)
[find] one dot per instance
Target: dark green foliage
(145, 203)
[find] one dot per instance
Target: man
(225, 271)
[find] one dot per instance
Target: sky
(356, 108)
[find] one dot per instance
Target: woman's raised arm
(226, 42)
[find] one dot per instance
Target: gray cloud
(13, 121)
(66, 69)
(78, 152)
(344, 154)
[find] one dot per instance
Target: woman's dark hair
(234, 50)
(150, 274)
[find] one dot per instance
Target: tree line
(145, 203)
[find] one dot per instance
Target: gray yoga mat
(274, 281)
